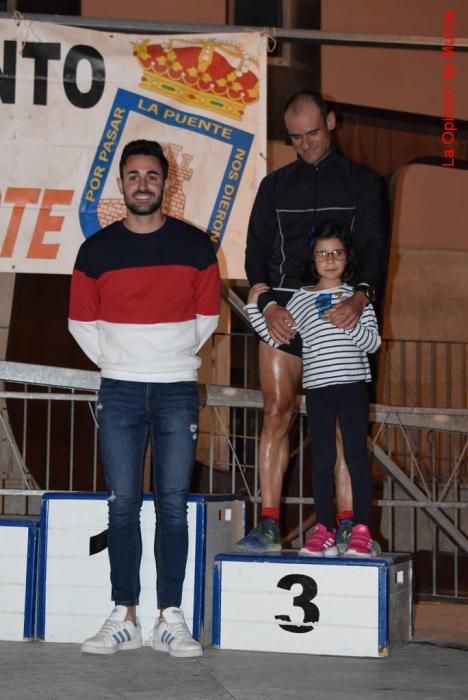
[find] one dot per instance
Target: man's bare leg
(344, 494)
(280, 373)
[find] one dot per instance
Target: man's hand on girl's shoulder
(280, 324)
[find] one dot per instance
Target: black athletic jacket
(293, 200)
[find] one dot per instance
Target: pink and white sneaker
(361, 543)
(321, 543)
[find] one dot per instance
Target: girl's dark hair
(323, 233)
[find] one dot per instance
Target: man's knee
(278, 415)
(124, 510)
(171, 508)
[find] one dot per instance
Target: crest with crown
(210, 74)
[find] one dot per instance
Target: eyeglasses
(338, 254)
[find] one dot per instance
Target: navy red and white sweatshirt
(330, 355)
(142, 305)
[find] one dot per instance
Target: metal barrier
(424, 373)
(48, 442)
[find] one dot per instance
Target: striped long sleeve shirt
(330, 355)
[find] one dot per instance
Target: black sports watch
(367, 290)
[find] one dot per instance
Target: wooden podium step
(74, 588)
(18, 560)
(307, 605)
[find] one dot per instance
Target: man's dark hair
(141, 147)
(333, 230)
(309, 96)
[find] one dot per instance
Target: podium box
(18, 552)
(294, 604)
(74, 588)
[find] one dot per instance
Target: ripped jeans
(129, 413)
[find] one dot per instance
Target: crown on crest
(208, 74)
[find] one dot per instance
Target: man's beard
(144, 209)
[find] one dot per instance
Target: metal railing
(144, 26)
(49, 442)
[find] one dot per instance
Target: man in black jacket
(320, 186)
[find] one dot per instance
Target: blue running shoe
(343, 534)
(263, 539)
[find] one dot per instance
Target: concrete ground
(432, 667)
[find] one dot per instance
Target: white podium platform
(18, 552)
(289, 603)
(74, 588)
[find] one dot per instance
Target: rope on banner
(18, 17)
(272, 42)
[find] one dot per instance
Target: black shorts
(295, 346)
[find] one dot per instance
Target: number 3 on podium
(311, 611)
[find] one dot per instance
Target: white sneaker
(172, 635)
(116, 634)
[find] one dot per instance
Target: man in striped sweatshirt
(144, 298)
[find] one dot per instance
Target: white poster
(70, 99)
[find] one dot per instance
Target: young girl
(335, 372)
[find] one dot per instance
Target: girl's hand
(255, 292)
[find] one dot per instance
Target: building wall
(7, 282)
(406, 80)
(201, 11)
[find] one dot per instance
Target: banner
(70, 99)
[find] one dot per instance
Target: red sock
(344, 515)
(272, 513)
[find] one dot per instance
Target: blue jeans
(129, 413)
